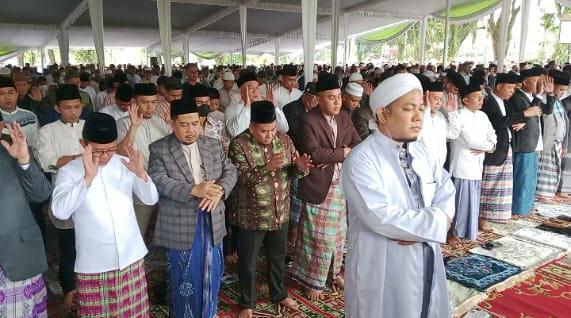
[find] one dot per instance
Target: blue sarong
(196, 274)
(525, 182)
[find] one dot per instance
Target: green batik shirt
(260, 201)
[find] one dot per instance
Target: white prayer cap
(228, 76)
(108, 72)
(5, 71)
(354, 89)
(429, 74)
(392, 89)
(355, 77)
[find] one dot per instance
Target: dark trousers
(249, 244)
(66, 244)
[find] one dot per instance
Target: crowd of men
(391, 161)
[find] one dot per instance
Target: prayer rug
(519, 253)
(545, 295)
(545, 237)
(510, 227)
(552, 210)
(559, 225)
(479, 272)
(465, 246)
(462, 298)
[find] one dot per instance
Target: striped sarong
(549, 172)
(525, 182)
(465, 223)
(321, 242)
(565, 184)
(196, 274)
(496, 191)
(23, 299)
(114, 294)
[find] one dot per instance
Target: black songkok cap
(173, 84)
(100, 128)
(262, 112)
(186, 105)
(7, 82)
(506, 78)
(67, 92)
(474, 86)
(536, 71)
(246, 77)
(456, 80)
(201, 91)
(559, 77)
(213, 93)
(84, 77)
(124, 92)
(110, 83)
(327, 82)
(433, 87)
(289, 70)
(310, 89)
(120, 77)
(145, 89)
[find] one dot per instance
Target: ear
(382, 115)
(56, 108)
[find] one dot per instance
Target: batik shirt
(260, 201)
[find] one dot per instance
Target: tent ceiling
(134, 23)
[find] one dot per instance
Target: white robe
(436, 131)
(237, 118)
(383, 278)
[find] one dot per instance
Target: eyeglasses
(104, 152)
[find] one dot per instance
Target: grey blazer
(171, 174)
(22, 253)
(550, 125)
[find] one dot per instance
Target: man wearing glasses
(96, 191)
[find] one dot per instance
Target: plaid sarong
(114, 294)
(549, 172)
(565, 184)
(23, 299)
(321, 241)
(496, 191)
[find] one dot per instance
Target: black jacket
(526, 139)
(502, 125)
(293, 111)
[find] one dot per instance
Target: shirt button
(273, 174)
(276, 185)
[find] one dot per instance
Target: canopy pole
(524, 27)
(63, 43)
(335, 11)
(423, 27)
(346, 43)
(243, 31)
(309, 31)
(96, 17)
(446, 33)
(504, 17)
(186, 49)
(42, 58)
(277, 52)
(164, 11)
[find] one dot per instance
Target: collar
(387, 142)
(11, 113)
(328, 118)
(69, 124)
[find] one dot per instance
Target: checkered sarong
(23, 299)
(114, 294)
(549, 172)
(496, 191)
(321, 241)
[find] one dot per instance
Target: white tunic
(228, 98)
(383, 278)
(436, 131)
(114, 111)
(237, 118)
(107, 236)
(285, 97)
(477, 133)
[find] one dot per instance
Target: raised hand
(19, 147)
(136, 118)
(135, 164)
(35, 94)
(548, 85)
(452, 103)
(245, 95)
(270, 97)
(90, 164)
(304, 162)
(427, 100)
(367, 89)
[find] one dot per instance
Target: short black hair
(213, 93)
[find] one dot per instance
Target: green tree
(550, 23)
(84, 56)
(493, 28)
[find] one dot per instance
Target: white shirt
(477, 133)
(107, 236)
(237, 118)
(228, 98)
(285, 97)
(502, 110)
(151, 130)
(114, 111)
(436, 131)
(59, 139)
(381, 209)
(192, 155)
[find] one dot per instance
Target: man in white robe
(400, 208)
